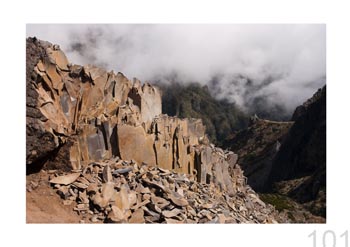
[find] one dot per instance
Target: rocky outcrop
(128, 162)
(86, 114)
(79, 107)
(40, 143)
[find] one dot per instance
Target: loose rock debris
(127, 192)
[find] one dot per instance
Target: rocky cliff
(288, 158)
(303, 154)
(110, 134)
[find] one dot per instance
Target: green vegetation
(280, 202)
(220, 117)
(249, 157)
(274, 129)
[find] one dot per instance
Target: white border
(17, 13)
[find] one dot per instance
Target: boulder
(65, 179)
(135, 144)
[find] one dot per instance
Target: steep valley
(286, 161)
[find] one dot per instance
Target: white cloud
(294, 56)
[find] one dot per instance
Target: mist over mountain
(221, 118)
(269, 69)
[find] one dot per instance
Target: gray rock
(155, 216)
(116, 215)
(137, 216)
(172, 213)
(123, 170)
(107, 174)
(63, 191)
(65, 179)
(177, 199)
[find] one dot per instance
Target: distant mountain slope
(304, 150)
(303, 153)
(220, 117)
(285, 158)
(256, 147)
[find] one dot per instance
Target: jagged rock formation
(40, 143)
(87, 116)
(101, 115)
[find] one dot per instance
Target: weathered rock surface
(67, 179)
(40, 143)
(79, 107)
(93, 115)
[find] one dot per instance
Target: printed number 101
(329, 238)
